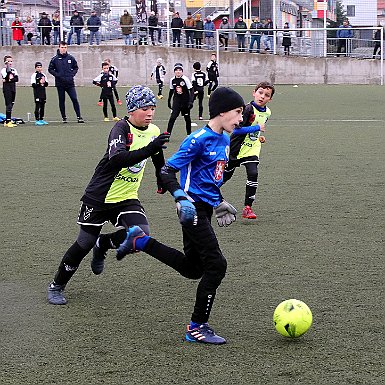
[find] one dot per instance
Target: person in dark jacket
(286, 40)
(377, 42)
(256, 34)
(153, 28)
(189, 26)
(269, 35)
(45, 28)
(64, 67)
(77, 24)
(240, 29)
(198, 33)
(93, 25)
(176, 26)
(344, 34)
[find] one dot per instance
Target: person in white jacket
(158, 72)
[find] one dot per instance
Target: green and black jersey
(118, 175)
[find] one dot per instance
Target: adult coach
(64, 67)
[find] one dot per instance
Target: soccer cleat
(80, 120)
(200, 118)
(65, 120)
(9, 124)
(160, 97)
(100, 104)
(39, 123)
(106, 119)
(44, 122)
(203, 334)
(128, 245)
(248, 213)
(97, 262)
(116, 119)
(55, 294)
(120, 102)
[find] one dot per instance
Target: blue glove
(186, 211)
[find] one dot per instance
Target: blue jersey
(201, 160)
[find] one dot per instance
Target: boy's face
(213, 57)
(142, 117)
(262, 96)
(231, 119)
(178, 73)
(63, 48)
(105, 69)
(39, 68)
(9, 61)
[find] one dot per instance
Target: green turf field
(318, 237)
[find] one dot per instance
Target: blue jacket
(63, 68)
(93, 23)
(209, 27)
(345, 32)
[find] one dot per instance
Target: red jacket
(17, 30)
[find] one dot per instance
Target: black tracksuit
(39, 84)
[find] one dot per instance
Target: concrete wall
(135, 65)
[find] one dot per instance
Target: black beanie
(224, 99)
(38, 64)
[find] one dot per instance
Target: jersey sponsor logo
(179, 90)
(136, 168)
(253, 136)
(128, 179)
(213, 153)
(219, 169)
(130, 139)
(114, 142)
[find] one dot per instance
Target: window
(350, 10)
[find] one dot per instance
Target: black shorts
(123, 215)
(233, 163)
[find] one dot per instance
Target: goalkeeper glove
(186, 211)
(225, 214)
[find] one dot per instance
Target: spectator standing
(93, 25)
(344, 33)
(256, 34)
(17, 30)
(189, 26)
(29, 29)
(224, 36)
(45, 28)
(209, 28)
(153, 27)
(77, 24)
(56, 28)
(377, 42)
(269, 35)
(240, 29)
(64, 67)
(126, 23)
(142, 32)
(198, 33)
(286, 40)
(176, 27)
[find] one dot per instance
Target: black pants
(200, 95)
(224, 40)
(198, 42)
(213, 84)
(160, 86)
(179, 107)
(176, 37)
(45, 37)
(39, 109)
(377, 47)
(106, 99)
(251, 164)
(342, 43)
(71, 91)
(202, 259)
(9, 99)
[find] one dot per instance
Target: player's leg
(230, 169)
(116, 94)
(160, 86)
(37, 111)
(215, 84)
(251, 187)
(187, 119)
(209, 89)
(113, 107)
(8, 105)
(42, 110)
(105, 112)
(176, 109)
(62, 107)
(122, 218)
(100, 103)
(200, 104)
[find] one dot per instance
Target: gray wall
(135, 65)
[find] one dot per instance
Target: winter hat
(178, 66)
(38, 64)
(139, 97)
(159, 60)
(224, 99)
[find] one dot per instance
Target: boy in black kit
(39, 84)
(213, 73)
(107, 82)
(183, 92)
(10, 78)
(114, 71)
(199, 81)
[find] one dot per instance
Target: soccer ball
(292, 318)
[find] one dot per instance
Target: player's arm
(248, 129)
(170, 94)
(97, 80)
(158, 162)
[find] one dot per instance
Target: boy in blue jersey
(201, 160)
(245, 148)
(112, 193)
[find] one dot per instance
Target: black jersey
(181, 87)
(39, 84)
(212, 69)
(107, 81)
(114, 71)
(199, 80)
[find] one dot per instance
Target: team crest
(130, 138)
(218, 173)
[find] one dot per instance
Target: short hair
(62, 43)
(265, 85)
(105, 64)
(6, 57)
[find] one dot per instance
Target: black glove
(190, 105)
(159, 142)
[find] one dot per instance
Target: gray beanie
(139, 97)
